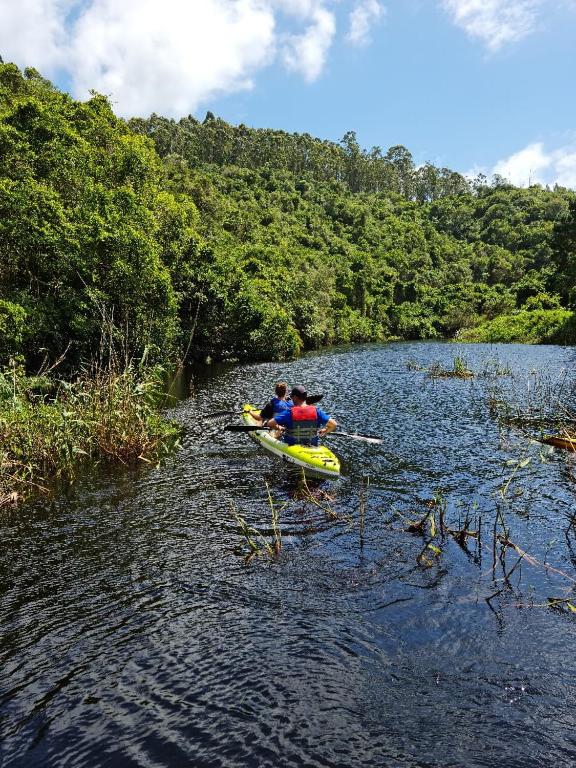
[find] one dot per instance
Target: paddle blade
(357, 436)
(222, 413)
(313, 399)
(243, 428)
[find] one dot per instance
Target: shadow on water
(135, 634)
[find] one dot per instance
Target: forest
(186, 240)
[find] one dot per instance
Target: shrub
(539, 326)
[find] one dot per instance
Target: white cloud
(525, 166)
(172, 55)
(306, 53)
(33, 31)
(535, 165)
(494, 22)
(363, 16)
(565, 165)
(168, 56)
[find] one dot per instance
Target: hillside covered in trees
(193, 239)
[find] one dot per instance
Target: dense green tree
(200, 238)
(564, 249)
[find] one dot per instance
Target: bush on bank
(540, 326)
(49, 428)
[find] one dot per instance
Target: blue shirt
(284, 419)
(279, 406)
(275, 406)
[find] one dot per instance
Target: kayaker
(276, 405)
(302, 424)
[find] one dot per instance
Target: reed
(275, 523)
(106, 414)
(459, 370)
(540, 407)
(255, 540)
(436, 370)
(435, 528)
(508, 558)
(362, 507)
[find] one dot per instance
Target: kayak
(315, 460)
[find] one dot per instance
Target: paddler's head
(298, 394)
(280, 389)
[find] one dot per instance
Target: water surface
(134, 634)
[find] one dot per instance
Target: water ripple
(134, 633)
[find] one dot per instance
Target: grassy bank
(49, 428)
(539, 326)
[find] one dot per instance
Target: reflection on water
(132, 635)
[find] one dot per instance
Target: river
(135, 632)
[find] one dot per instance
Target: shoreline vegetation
(183, 241)
(541, 326)
(50, 428)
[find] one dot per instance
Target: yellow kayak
(315, 460)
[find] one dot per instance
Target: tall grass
(103, 414)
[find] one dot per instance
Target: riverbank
(539, 326)
(49, 428)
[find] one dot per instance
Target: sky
(478, 86)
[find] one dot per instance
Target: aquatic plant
(541, 408)
(495, 367)
(488, 537)
(433, 526)
(362, 506)
(275, 522)
(436, 370)
(459, 370)
(255, 539)
(319, 498)
(104, 414)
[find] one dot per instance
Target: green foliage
(12, 328)
(109, 415)
(80, 233)
(564, 250)
(542, 301)
(539, 326)
(196, 239)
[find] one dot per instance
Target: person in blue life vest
(276, 405)
(302, 424)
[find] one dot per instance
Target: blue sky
(475, 85)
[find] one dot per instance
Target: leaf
(436, 550)
(571, 607)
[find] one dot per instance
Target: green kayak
(316, 461)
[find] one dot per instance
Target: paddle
(310, 400)
(255, 428)
(357, 436)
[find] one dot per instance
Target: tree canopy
(198, 238)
